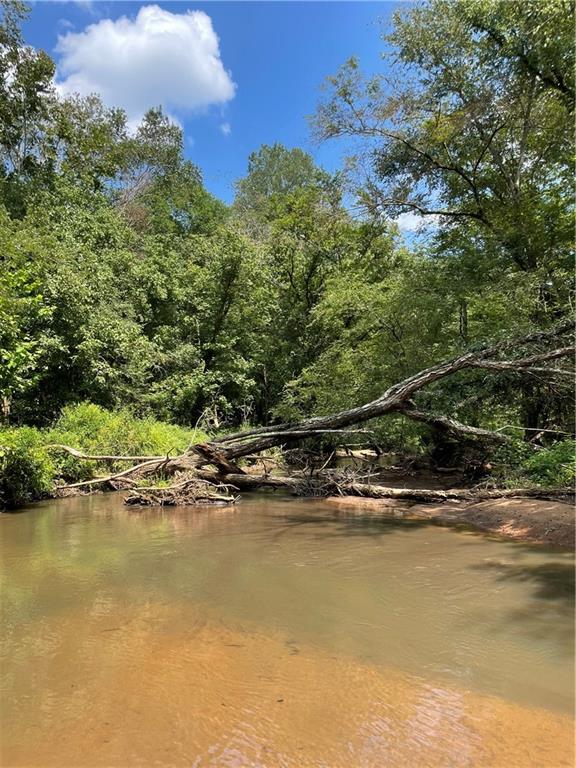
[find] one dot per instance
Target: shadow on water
(352, 525)
(551, 581)
(550, 612)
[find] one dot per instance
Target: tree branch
(446, 424)
(89, 457)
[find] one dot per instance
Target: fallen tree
(223, 452)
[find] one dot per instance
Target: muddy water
(278, 634)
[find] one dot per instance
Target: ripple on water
(278, 635)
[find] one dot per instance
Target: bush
(553, 466)
(29, 470)
(517, 463)
(93, 429)
(26, 467)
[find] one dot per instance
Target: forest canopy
(126, 284)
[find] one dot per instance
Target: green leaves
(123, 282)
(476, 131)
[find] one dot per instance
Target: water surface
(278, 633)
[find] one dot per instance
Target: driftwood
(223, 452)
(191, 491)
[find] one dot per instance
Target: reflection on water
(276, 633)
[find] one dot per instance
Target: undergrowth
(30, 470)
(517, 464)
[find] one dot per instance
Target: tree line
(125, 283)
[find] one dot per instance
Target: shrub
(29, 470)
(94, 430)
(553, 466)
(26, 468)
(517, 463)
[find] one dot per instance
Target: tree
(477, 133)
(274, 171)
(86, 141)
(26, 93)
(471, 132)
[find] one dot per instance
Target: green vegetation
(26, 467)
(552, 466)
(29, 468)
(126, 287)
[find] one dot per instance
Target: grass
(29, 470)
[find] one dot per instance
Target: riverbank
(522, 519)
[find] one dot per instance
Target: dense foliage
(31, 463)
(124, 283)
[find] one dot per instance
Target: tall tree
(26, 93)
(477, 132)
(274, 171)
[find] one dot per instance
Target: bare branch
(89, 457)
(446, 424)
(526, 362)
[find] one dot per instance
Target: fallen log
(327, 484)
(223, 452)
(452, 494)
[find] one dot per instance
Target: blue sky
(256, 88)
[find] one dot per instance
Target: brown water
(278, 634)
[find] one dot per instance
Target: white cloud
(158, 58)
(414, 222)
(85, 5)
(226, 129)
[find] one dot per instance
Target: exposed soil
(535, 520)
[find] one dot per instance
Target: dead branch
(533, 429)
(446, 424)
(152, 465)
(527, 362)
(188, 491)
(297, 434)
(89, 457)
(397, 398)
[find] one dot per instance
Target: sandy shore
(535, 520)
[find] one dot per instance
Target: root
(188, 492)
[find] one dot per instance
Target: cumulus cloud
(226, 129)
(158, 58)
(414, 222)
